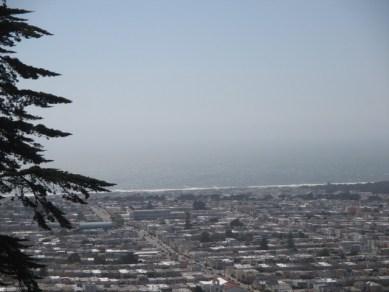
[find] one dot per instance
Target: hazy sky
(190, 93)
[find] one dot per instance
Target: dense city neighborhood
(304, 238)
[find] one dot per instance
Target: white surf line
(235, 187)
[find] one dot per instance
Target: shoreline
(160, 190)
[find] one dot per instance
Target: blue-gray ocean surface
(243, 173)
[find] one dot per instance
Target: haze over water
(217, 93)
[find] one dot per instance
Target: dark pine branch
(21, 156)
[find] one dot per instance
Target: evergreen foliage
(236, 223)
(228, 233)
(264, 243)
(325, 252)
(290, 242)
(205, 236)
(188, 222)
(129, 259)
(23, 174)
(74, 258)
(199, 205)
(99, 260)
(15, 264)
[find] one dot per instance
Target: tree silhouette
(228, 233)
(199, 205)
(198, 289)
(188, 223)
(205, 236)
(22, 173)
(236, 223)
(325, 252)
(129, 258)
(99, 260)
(264, 243)
(290, 242)
(15, 264)
(74, 258)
